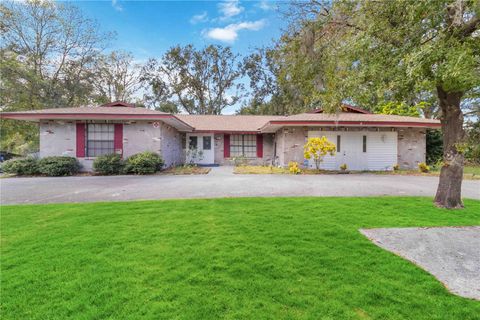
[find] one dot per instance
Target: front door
(200, 149)
(350, 151)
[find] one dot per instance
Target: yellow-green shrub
(423, 167)
(293, 167)
(317, 148)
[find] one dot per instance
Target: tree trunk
(451, 175)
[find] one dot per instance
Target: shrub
(343, 167)
(21, 167)
(58, 166)
(240, 161)
(434, 148)
(423, 167)
(317, 148)
(144, 163)
(396, 167)
(194, 155)
(293, 167)
(108, 164)
(437, 165)
(472, 154)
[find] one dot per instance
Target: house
(364, 141)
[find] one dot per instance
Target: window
(207, 143)
(243, 145)
(100, 139)
(193, 142)
(338, 143)
(364, 143)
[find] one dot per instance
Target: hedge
(21, 166)
(58, 166)
(144, 163)
(108, 164)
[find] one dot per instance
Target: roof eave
(228, 131)
(36, 117)
(279, 124)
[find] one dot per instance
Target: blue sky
(149, 28)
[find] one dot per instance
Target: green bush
(108, 164)
(58, 166)
(472, 152)
(472, 155)
(434, 150)
(144, 163)
(21, 167)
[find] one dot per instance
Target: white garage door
(359, 150)
(382, 150)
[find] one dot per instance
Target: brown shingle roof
(353, 119)
(231, 123)
(94, 110)
(101, 113)
(226, 123)
(260, 123)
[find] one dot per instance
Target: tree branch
(470, 27)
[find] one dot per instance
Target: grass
(261, 258)
(245, 169)
(470, 172)
(474, 170)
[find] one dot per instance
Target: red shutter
(226, 146)
(118, 138)
(259, 146)
(80, 140)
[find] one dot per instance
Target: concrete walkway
(220, 182)
(451, 254)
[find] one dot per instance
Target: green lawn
(472, 170)
(258, 258)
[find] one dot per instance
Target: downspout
(274, 158)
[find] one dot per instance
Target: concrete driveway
(451, 254)
(220, 182)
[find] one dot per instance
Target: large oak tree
(370, 52)
(116, 77)
(198, 81)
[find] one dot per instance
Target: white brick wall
(58, 138)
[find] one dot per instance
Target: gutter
(356, 123)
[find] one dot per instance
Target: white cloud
(265, 5)
(202, 17)
(230, 8)
(230, 32)
(116, 5)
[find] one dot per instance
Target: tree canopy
(373, 52)
(197, 81)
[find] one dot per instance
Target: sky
(148, 28)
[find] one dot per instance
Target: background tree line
(395, 57)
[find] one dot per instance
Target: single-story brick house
(364, 141)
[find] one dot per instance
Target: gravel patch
(451, 254)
